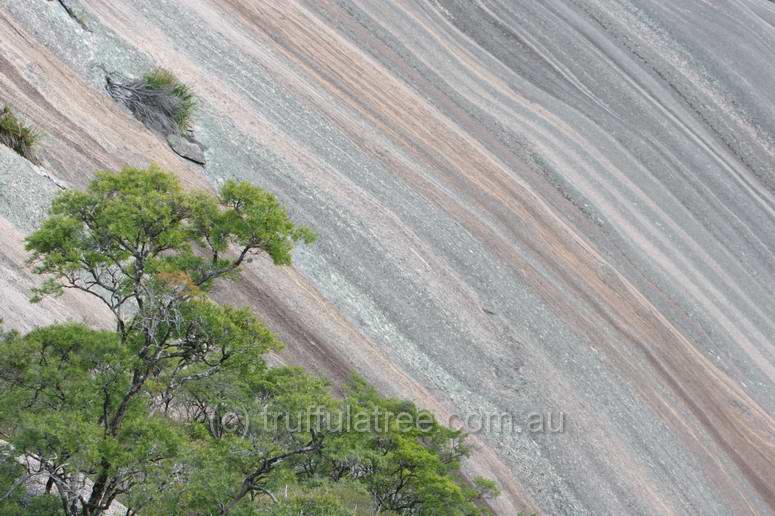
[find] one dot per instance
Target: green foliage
(14, 498)
(159, 100)
(406, 459)
(311, 504)
(137, 228)
(324, 497)
(19, 137)
(164, 81)
(485, 488)
(176, 411)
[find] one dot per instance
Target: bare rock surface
(186, 148)
(555, 206)
(26, 191)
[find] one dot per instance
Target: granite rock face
(523, 207)
(186, 148)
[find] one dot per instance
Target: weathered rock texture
(522, 206)
(186, 148)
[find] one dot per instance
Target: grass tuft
(16, 135)
(161, 79)
(159, 100)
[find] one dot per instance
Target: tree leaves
(128, 224)
(177, 411)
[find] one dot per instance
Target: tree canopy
(177, 411)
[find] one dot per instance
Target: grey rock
(644, 128)
(76, 12)
(27, 190)
(189, 149)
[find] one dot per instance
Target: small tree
(149, 252)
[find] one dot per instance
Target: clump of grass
(163, 80)
(16, 135)
(159, 100)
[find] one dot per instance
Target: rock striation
(523, 207)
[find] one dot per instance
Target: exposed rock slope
(523, 206)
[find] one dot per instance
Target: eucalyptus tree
(176, 411)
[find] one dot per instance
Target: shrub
(159, 100)
(16, 135)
